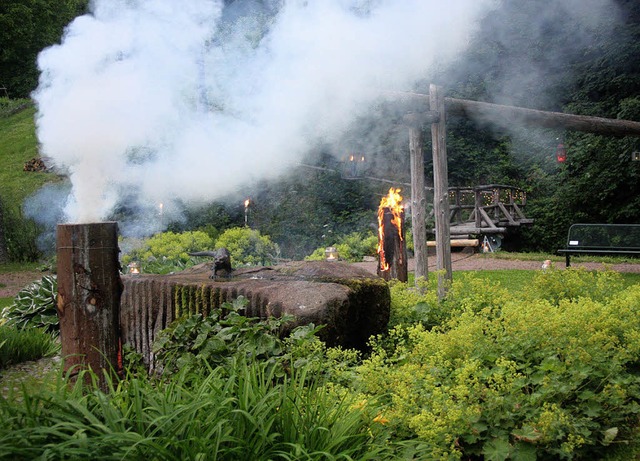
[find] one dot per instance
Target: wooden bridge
(487, 209)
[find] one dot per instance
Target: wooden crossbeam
(509, 115)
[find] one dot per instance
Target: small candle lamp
(331, 254)
(134, 268)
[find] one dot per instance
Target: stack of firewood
(35, 164)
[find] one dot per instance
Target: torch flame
(246, 203)
(393, 203)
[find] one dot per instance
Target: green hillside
(18, 145)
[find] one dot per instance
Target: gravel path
(478, 261)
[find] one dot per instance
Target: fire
(391, 203)
(246, 203)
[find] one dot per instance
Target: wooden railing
(488, 208)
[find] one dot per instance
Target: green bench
(602, 239)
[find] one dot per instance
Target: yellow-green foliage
(573, 283)
(544, 375)
(352, 247)
(248, 247)
(170, 246)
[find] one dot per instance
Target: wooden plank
(507, 116)
(507, 215)
(462, 230)
(458, 243)
(485, 217)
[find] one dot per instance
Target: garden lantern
(134, 268)
(331, 254)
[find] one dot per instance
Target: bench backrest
(604, 236)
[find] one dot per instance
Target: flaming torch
(246, 212)
(392, 251)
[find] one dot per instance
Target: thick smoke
(148, 102)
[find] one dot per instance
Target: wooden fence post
(418, 198)
(88, 303)
(441, 189)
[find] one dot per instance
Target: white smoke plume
(158, 100)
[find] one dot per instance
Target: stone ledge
(352, 303)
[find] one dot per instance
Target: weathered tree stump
(88, 303)
(350, 302)
(392, 254)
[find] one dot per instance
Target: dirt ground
(12, 283)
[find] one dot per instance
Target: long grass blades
(244, 408)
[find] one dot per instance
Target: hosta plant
(35, 306)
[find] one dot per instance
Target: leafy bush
(9, 107)
(516, 378)
(197, 342)
(168, 251)
(18, 345)
(352, 247)
(574, 283)
(35, 306)
(21, 234)
(248, 247)
(410, 305)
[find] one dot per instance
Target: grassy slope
(18, 144)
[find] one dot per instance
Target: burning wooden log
(88, 303)
(392, 250)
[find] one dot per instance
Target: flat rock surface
(351, 302)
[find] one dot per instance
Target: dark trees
(27, 27)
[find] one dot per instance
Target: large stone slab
(351, 302)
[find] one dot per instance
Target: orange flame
(393, 203)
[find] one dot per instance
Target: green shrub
(352, 247)
(168, 251)
(205, 342)
(574, 283)
(21, 235)
(17, 345)
(516, 378)
(9, 107)
(410, 304)
(35, 306)
(247, 247)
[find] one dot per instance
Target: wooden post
(440, 189)
(418, 198)
(89, 289)
(477, 197)
(392, 260)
